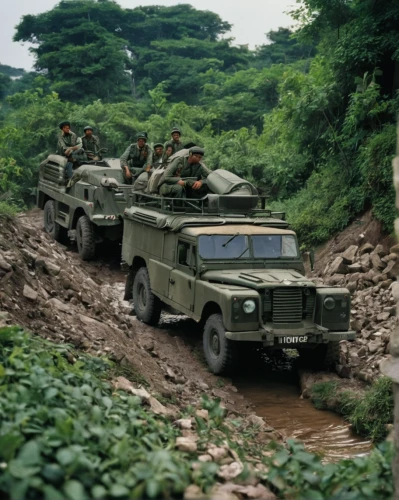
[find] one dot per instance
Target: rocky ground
(368, 269)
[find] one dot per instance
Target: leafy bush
(300, 475)
(369, 414)
(65, 435)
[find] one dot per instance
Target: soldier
(158, 154)
(91, 143)
(136, 157)
(176, 143)
(70, 145)
(184, 176)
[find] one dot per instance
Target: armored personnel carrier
(89, 209)
(234, 268)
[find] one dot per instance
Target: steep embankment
(366, 261)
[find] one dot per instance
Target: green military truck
(90, 210)
(235, 269)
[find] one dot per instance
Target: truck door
(182, 278)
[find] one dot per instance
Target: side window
(183, 253)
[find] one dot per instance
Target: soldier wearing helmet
(175, 141)
(91, 143)
(136, 156)
(184, 178)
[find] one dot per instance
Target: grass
(369, 412)
(7, 209)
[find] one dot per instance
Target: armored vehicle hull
(89, 209)
(240, 275)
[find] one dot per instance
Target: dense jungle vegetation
(309, 116)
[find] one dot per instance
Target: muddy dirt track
(169, 357)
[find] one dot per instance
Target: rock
(380, 251)
(218, 454)
(204, 414)
(5, 265)
(229, 472)
(383, 316)
(257, 421)
(366, 248)
(376, 262)
(57, 304)
(351, 286)
(47, 266)
(29, 293)
(205, 458)
(355, 268)
(374, 346)
(338, 266)
(335, 279)
(184, 423)
(365, 262)
(377, 278)
(357, 324)
(186, 444)
(193, 492)
(247, 491)
(350, 253)
(392, 269)
(362, 352)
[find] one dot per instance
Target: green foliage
(301, 475)
(369, 414)
(65, 434)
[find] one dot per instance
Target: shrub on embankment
(370, 412)
(66, 434)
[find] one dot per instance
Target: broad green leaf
(30, 453)
(51, 493)
(118, 490)
(19, 470)
(74, 490)
(65, 456)
(9, 443)
(99, 492)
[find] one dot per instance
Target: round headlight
(249, 306)
(329, 303)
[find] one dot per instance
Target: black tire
(146, 305)
(50, 226)
(220, 352)
(322, 357)
(85, 238)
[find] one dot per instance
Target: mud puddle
(275, 396)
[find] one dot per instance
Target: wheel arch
(210, 308)
(138, 263)
(42, 199)
(78, 212)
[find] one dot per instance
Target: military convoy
(220, 260)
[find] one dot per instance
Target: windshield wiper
(241, 254)
(230, 239)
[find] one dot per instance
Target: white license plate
(300, 339)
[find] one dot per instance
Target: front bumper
(291, 337)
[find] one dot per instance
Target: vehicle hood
(258, 278)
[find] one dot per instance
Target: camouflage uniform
(66, 141)
(178, 170)
(135, 158)
(77, 157)
(91, 144)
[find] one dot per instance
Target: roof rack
(211, 204)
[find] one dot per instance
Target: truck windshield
(227, 246)
(240, 246)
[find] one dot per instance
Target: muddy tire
(85, 238)
(146, 305)
(322, 357)
(220, 352)
(50, 226)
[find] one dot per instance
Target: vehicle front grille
(53, 173)
(288, 305)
